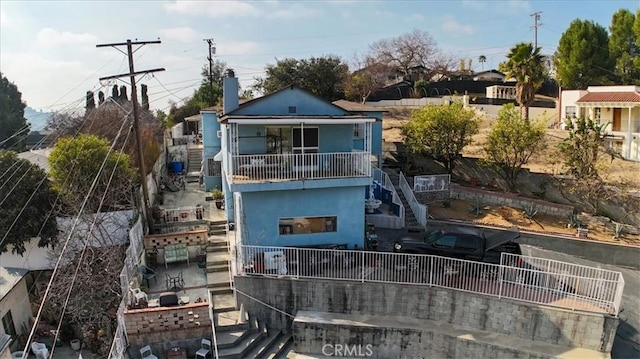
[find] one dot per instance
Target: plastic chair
(40, 350)
(139, 294)
(148, 273)
(146, 353)
(205, 349)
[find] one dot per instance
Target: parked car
(461, 243)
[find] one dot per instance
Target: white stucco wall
(569, 98)
(17, 301)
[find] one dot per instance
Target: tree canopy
(624, 47)
(582, 57)
(323, 76)
(511, 143)
(75, 162)
(441, 131)
(370, 76)
(415, 48)
(13, 125)
(27, 204)
(525, 64)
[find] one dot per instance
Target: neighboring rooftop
(39, 157)
(356, 107)
(633, 97)
(9, 277)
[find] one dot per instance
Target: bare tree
(416, 48)
(369, 76)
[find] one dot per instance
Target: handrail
(419, 209)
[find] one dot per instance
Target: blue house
(295, 169)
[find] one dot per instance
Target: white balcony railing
(287, 167)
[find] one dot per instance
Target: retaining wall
(468, 310)
(509, 199)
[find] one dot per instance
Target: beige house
(618, 107)
(15, 308)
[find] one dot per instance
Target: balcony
(293, 167)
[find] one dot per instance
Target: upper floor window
(358, 131)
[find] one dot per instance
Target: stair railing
(419, 209)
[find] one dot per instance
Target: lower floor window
(7, 324)
(304, 225)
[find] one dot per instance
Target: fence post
(299, 261)
(362, 267)
(500, 281)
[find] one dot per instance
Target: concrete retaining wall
(509, 199)
(469, 310)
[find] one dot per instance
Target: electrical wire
(75, 223)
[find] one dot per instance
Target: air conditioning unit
(219, 134)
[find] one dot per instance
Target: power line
(134, 100)
(212, 51)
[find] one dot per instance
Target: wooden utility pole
(136, 121)
(212, 51)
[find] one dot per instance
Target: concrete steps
(218, 228)
(194, 159)
(280, 347)
(410, 220)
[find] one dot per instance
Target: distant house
(295, 169)
(618, 107)
(15, 308)
(489, 75)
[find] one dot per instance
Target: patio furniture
(177, 353)
(40, 350)
(174, 283)
(146, 353)
(147, 274)
(205, 349)
(139, 294)
(175, 253)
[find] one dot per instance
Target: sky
(48, 48)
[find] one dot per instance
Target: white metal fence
(384, 180)
(262, 167)
(600, 287)
(507, 280)
(432, 183)
(183, 214)
(419, 209)
(119, 344)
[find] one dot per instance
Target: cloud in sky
(52, 37)
(215, 9)
(295, 11)
(4, 20)
(179, 34)
(455, 28)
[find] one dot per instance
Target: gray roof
(38, 157)
(9, 277)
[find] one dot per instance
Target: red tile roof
(610, 97)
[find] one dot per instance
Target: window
(358, 131)
(597, 112)
(214, 168)
(7, 324)
(293, 109)
(446, 241)
(306, 225)
(305, 140)
(570, 112)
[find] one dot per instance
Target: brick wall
(509, 199)
(474, 311)
(154, 325)
(190, 238)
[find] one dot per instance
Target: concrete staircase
(239, 336)
(410, 220)
(194, 164)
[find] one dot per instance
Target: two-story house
(616, 107)
(295, 169)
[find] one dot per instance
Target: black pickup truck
(462, 243)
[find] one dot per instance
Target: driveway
(627, 341)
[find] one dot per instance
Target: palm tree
(482, 59)
(525, 64)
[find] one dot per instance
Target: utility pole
(136, 121)
(536, 25)
(212, 51)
